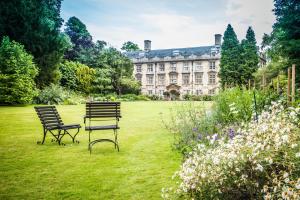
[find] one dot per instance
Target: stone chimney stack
(147, 45)
(218, 39)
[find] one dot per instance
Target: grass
(143, 166)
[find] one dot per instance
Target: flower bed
(261, 160)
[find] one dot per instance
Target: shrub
(68, 74)
(53, 94)
(191, 123)
(130, 86)
(261, 162)
(17, 73)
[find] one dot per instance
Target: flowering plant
(262, 161)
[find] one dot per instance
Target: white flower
(259, 167)
(298, 155)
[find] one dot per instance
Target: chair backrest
(49, 117)
(103, 110)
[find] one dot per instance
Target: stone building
(175, 72)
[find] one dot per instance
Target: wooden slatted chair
(102, 111)
(52, 121)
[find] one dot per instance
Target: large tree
(118, 66)
(249, 57)
(230, 58)
(81, 39)
(36, 24)
(286, 32)
(130, 46)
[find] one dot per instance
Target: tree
(36, 24)
(130, 46)
(17, 73)
(119, 66)
(230, 58)
(68, 74)
(285, 37)
(249, 57)
(81, 39)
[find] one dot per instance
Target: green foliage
(190, 97)
(283, 44)
(230, 58)
(85, 76)
(36, 24)
(130, 46)
(17, 73)
(55, 94)
(68, 74)
(238, 61)
(119, 67)
(249, 57)
(190, 123)
(130, 86)
(193, 123)
(81, 39)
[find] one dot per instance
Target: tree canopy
(130, 46)
(36, 24)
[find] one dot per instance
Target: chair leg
(44, 137)
(116, 138)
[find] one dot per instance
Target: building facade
(172, 73)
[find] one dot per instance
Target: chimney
(218, 38)
(147, 45)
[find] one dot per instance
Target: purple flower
(199, 136)
(231, 133)
(195, 129)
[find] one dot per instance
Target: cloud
(255, 13)
(170, 25)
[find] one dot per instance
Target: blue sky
(169, 23)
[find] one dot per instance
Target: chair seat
(69, 126)
(90, 128)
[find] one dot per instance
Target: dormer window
(141, 54)
(175, 52)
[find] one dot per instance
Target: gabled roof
(160, 53)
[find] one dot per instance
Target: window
(186, 79)
(198, 66)
(211, 79)
(150, 68)
(212, 65)
(139, 77)
(173, 67)
(185, 67)
(150, 79)
(162, 67)
(138, 68)
(211, 92)
(198, 78)
(161, 79)
(199, 92)
(173, 78)
(150, 92)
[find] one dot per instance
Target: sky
(169, 23)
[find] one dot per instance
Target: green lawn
(143, 166)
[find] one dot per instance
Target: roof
(160, 53)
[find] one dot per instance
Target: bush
(130, 86)
(190, 97)
(55, 94)
(262, 161)
(190, 124)
(17, 73)
(68, 74)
